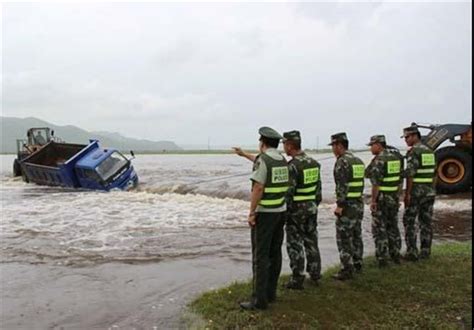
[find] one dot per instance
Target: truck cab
(105, 169)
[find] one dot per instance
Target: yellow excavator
(37, 138)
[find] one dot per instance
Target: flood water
(120, 260)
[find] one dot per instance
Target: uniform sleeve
(319, 194)
(412, 165)
(293, 171)
(341, 176)
(368, 169)
(375, 171)
(260, 172)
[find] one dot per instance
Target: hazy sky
(186, 72)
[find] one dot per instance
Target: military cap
(410, 130)
(338, 137)
(292, 136)
(377, 139)
(269, 133)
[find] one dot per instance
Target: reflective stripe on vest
(388, 189)
(277, 182)
(391, 178)
(276, 190)
(356, 185)
(423, 180)
(354, 195)
(272, 202)
(304, 198)
(306, 190)
(426, 172)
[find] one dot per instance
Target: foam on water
(115, 224)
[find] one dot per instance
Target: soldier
(303, 199)
(384, 173)
(349, 178)
(270, 180)
(419, 195)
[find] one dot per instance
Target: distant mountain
(15, 128)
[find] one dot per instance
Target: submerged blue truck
(78, 166)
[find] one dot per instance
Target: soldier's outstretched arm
(241, 153)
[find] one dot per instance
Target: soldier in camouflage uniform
(349, 178)
(384, 173)
(303, 199)
(419, 195)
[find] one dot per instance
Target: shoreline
(432, 293)
(211, 152)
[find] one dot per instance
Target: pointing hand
(238, 151)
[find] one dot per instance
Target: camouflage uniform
(385, 229)
(302, 227)
(349, 225)
(421, 205)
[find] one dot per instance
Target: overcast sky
(186, 72)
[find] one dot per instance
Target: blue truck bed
(79, 166)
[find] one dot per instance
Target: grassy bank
(434, 293)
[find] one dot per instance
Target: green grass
(434, 293)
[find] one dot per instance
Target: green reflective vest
(277, 182)
(392, 174)
(307, 180)
(426, 171)
(356, 183)
(395, 152)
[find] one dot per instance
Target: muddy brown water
(90, 260)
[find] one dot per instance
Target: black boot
(424, 255)
(343, 275)
(295, 283)
(315, 278)
(396, 259)
(251, 306)
(383, 263)
(411, 257)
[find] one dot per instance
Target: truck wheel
(16, 168)
(454, 170)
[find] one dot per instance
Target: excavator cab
(36, 138)
(39, 136)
